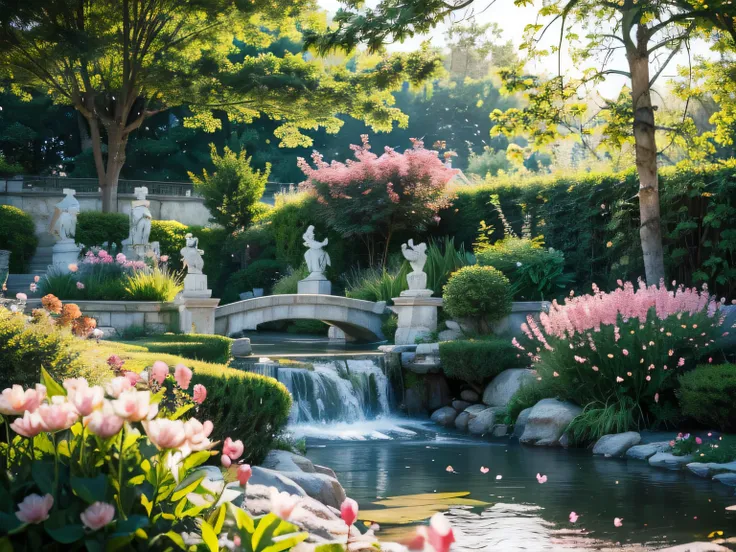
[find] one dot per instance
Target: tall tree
(649, 32)
(118, 62)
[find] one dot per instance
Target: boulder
(475, 409)
(711, 468)
(616, 445)
(325, 470)
(699, 469)
(500, 430)
(241, 347)
(726, 478)
(461, 422)
(521, 422)
(547, 421)
(283, 461)
(644, 452)
(505, 384)
(438, 392)
(449, 335)
(669, 461)
(696, 547)
(470, 396)
(460, 405)
(320, 487)
(414, 402)
(564, 441)
(272, 478)
(445, 416)
(483, 422)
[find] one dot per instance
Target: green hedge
(95, 228)
(17, 235)
(481, 293)
(593, 219)
(263, 273)
(209, 348)
(478, 360)
(708, 395)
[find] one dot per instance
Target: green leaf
(176, 539)
(8, 523)
(181, 411)
(218, 518)
(66, 534)
(147, 504)
(242, 519)
(43, 476)
(130, 526)
(333, 547)
(5, 545)
(209, 537)
(196, 459)
(93, 545)
(287, 543)
(52, 388)
(90, 489)
(181, 492)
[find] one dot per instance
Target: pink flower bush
(134, 406)
(98, 515)
(165, 434)
(199, 393)
(35, 508)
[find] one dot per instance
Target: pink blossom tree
(374, 197)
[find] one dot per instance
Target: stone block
(644, 452)
(547, 422)
(241, 347)
(615, 446)
(670, 461)
(314, 287)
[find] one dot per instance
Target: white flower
(518, 263)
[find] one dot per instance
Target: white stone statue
(140, 218)
(317, 259)
(192, 256)
(64, 221)
(417, 278)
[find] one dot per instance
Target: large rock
(438, 392)
(283, 461)
(460, 405)
(500, 430)
(241, 347)
(505, 384)
(547, 421)
(469, 395)
(320, 487)
(445, 416)
(272, 478)
(670, 461)
(461, 422)
(616, 445)
(520, 423)
(645, 452)
(726, 478)
(414, 402)
(483, 422)
(475, 409)
(325, 470)
(711, 468)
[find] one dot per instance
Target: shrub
(535, 272)
(94, 229)
(170, 236)
(376, 284)
(707, 395)
(17, 235)
(528, 395)
(209, 348)
(720, 450)
(608, 350)
(152, 285)
(598, 420)
(259, 274)
(389, 325)
(477, 360)
(684, 445)
(480, 293)
(444, 258)
(288, 283)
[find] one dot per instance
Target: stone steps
(19, 283)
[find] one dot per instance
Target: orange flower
(51, 303)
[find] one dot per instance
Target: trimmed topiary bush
(170, 236)
(17, 235)
(708, 395)
(209, 348)
(95, 228)
(479, 293)
(478, 360)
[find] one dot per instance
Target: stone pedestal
(65, 252)
(314, 286)
(417, 317)
(196, 306)
(195, 285)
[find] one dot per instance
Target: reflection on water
(658, 507)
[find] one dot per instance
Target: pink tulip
(698, 441)
(555, 374)
(159, 371)
(349, 511)
(625, 352)
(199, 393)
(29, 425)
(618, 522)
(225, 461)
(283, 504)
(681, 362)
(648, 378)
(83, 397)
(244, 474)
(98, 515)
(165, 434)
(104, 423)
(135, 406)
(132, 377)
(15, 401)
(118, 386)
(35, 508)
(183, 376)
(58, 415)
(197, 436)
(233, 449)
(573, 517)
(541, 478)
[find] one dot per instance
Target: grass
(598, 420)
(720, 451)
(211, 348)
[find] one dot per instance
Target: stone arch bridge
(359, 320)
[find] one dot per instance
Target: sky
(512, 20)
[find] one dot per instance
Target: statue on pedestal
(140, 218)
(417, 278)
(192, 256)
(63, 224)
(317, 259)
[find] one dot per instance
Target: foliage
(372, 198)
(170, 234)
(389, 325)
(233, 192)
(17, 235)
(121, 466)
(377, 284)
(157, 284)
(684, 445)
(592, 220)
(258, 274)
(719, 450)
(288, 283)
(96, 229)
(706, 395)
(444, 258)
(479, 293)
(528, 395)
(535, 272)
(598, 420)
(209, 348)
(9, 169)
(608, 350)
(477, 360)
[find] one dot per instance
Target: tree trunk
(646, 164)
(85, 140)
(116, 143)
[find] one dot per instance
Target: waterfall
(337, 391)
